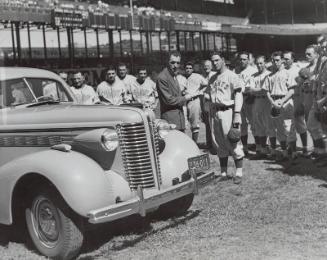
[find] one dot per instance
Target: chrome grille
(32, 140)
(136, 155)
(155, 143)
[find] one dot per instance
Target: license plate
(198, 164)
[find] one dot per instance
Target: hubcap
(46, 223)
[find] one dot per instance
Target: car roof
(19, 72)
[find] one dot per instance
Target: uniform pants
(284, 124)
(300, 124)
(314, 126)
(261, 117)
(307, 101)
(220, 124)
(194, 114)
(247, 118)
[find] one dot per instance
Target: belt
(275, 97)
(307, 92)
(194, 98)
(222, 107)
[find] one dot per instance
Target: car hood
(67, 116)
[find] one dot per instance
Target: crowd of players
(281, 98)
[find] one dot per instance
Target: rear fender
(80, 180)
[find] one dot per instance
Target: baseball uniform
(114, 93)
(193, 83)
(261, 106)
(277, 84)
(246, 113)
(222, 92)
(85, 95)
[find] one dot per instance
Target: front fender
(80, 180)
(173, 160)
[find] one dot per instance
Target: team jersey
(114, 93)
(245, 75)
(182, 82)
(223, 86)
(293, 73)
(144, 93)
(279, 82)
(211, 73)
(128, 81)
(257, 80)
(85, 95)
(194, 83)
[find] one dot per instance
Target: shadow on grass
(136, 227)
(301, 167)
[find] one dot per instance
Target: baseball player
(112, 90)
(208, 73)
(261, 106)
(279, 89)
(315, 126)
(195, 82)
(182, 82)
(303, 94)
(127, 79)
(84, 93)
(143, 90)
(245, 71)
(225, 112)
(299, 122)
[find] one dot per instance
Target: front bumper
(148, 199)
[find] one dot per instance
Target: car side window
(47, 89)
(14, 92)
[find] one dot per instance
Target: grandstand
(71, 34)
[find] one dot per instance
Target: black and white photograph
(163, 129)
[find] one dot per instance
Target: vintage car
(64, 164)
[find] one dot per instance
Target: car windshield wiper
(44, 102)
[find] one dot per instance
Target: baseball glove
(275, 112)
(234, 134)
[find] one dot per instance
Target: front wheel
(51, 228)
(176, 207)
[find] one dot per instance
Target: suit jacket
(171, 99)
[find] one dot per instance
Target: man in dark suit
(170, 95)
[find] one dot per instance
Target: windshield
(22, 91)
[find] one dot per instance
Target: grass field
(278, 212)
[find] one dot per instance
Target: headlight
(164, 127)
(109, 139)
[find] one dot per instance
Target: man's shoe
(237, 180)
(259, 156)
(313, 155)
(221, 178)
(305, 154)
(320, 158)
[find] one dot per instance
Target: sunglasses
(175, 62)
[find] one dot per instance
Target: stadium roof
(276, 29)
